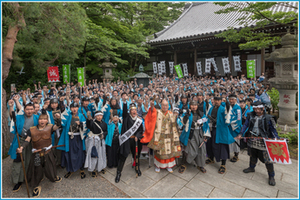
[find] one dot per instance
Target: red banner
(53, 74)
(278, 151)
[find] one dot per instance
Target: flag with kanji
(278, 151)
(53, 74)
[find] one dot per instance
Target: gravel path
(73, 187)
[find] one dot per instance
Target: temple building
(191, 38)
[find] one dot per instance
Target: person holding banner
(131, 132)
(261, 125)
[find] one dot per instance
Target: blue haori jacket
(20, 123)
(110, 134)
(66, 118)
(184, 137)
(223, 135)
(235, 113)
(106, 113)
(50, 115)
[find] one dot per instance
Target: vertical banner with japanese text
(207, 65)
(53, 74)
(178, 71)
(171, 66)
(199, 69)
(66, 73)
(250, 68)
(154, 68)
(226, 67)
(185, 69)
(237, 63)
(163, 67)
(80, 73)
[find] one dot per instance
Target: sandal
(94, 174)
(234, 159)
(209, 161)
(222, 169)
(57, 179)
(202, 169)
(182, 169)
(103, 171)
(68, 174)
(82, 174)
(157, 170)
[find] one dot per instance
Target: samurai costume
(131, 128)
(235, 127)
(98, 130)
(51, 120)
(196, 129)
(73, 153)
(42, 163)
(23, 124)
(116, 111)
(259, 126)
(112, 144)
(218, 145)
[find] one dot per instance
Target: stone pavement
(191, 184)
(194, 184)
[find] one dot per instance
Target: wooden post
(195, 60)
(230, 59)
(262, 60)
(175, 58)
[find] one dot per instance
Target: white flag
(213, 62)
(226, 66)
(171, 66)
(199, 69)
(237, 63)
(163, 67)
(185, 69)
(207, 65)
(159, 69)
(154, 68)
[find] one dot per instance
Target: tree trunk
(7, 57)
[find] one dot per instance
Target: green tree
(248, 37)
(37, 35)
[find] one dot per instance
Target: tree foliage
(83, 34)
(261, 13)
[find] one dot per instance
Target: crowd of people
(97, 126)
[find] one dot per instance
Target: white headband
(99, 113)
(259, 106)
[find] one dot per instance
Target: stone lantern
(107, 67)
(142, 78)
(286, 79)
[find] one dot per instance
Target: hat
(85, 99)
(98, 112)
(34, 97)
(232, 96)
(257, 104)
(53, 100)
(193, 103)
(74, 104)
(176, 110)
(132, 106)
(217, 98)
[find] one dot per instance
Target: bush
(274, 95)
(291, 136)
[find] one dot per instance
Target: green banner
(80, 73)
(250, 68)
(178, 71)
(66, 73)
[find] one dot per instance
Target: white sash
(130, 131)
